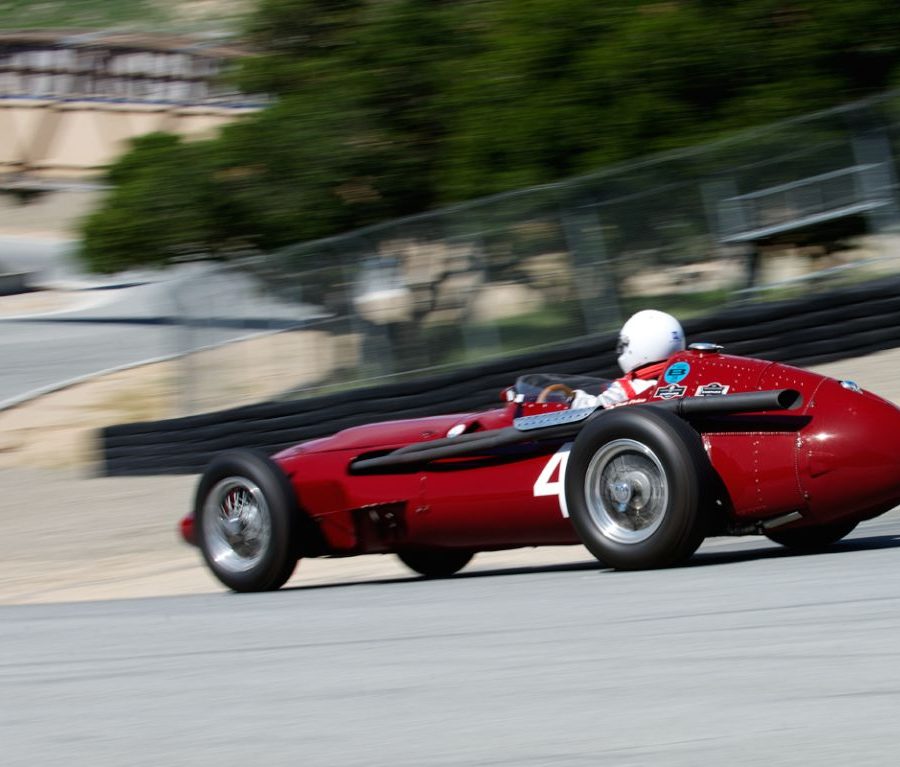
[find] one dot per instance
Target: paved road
(747, 656)
(51, 259)
(127, 320)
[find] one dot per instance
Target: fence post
(876, 180)
(726, 216)
(594, 272)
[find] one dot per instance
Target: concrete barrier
(12, 283)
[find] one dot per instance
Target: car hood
(385, 434)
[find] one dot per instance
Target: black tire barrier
(843, 323)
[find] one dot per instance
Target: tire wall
(845, 323)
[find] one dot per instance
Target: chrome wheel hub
(237, 525)
(621, 494)
(626, 491)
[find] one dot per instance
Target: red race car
(723, 445)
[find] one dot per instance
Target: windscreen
(532, 384)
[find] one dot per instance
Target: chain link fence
(775, 212)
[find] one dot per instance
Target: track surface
(121, 324)
(746, 656)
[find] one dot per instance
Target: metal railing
(686, 232)
(804, 203)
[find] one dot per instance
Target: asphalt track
(132, 320)
(748, 655)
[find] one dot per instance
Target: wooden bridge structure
(70, 101)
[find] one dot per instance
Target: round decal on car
(676, 372)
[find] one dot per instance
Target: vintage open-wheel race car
(723, 445)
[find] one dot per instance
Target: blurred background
(210, 203)
(277, 198)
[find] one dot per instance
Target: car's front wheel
(635, 488)
(245, 521)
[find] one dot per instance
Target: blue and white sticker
(670, 392)
(676, 372)
(711, 390)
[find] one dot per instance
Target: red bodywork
(835, 457)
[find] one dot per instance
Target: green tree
(161, 207)
(383, 108)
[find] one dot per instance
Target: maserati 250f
(723, 445)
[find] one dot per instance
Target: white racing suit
(621, 390)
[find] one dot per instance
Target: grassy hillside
(145, 15)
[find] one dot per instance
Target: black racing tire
(810, 539)
(246, 521)
(635, 486)
(436, 563)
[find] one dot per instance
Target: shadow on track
(771, 550)
(488, 573)
(703, 558)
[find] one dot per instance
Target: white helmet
(648, 336)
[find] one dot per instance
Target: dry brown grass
(58, 430)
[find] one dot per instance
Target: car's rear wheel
(811, 539)
(435, 563)
(635, 485)
(246, 520)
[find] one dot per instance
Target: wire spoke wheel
(247, 520)
(237, 524)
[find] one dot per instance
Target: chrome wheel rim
(237, 525)
(626, 491)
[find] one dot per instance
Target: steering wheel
(548, 390)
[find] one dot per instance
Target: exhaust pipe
(745, 402)
(564, 427)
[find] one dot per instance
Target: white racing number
(552, 479)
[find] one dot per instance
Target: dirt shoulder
(79, 539)
(59, 429)
(71, 537)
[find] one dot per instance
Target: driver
(646, 341)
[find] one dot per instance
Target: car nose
(849, 454)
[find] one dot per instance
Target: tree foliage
(388, 107)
